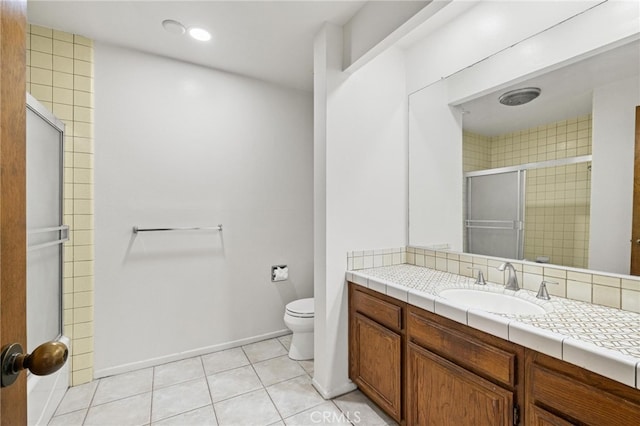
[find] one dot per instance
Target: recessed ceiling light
(199, 34)
(174, 27)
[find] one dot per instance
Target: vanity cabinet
(458, 375)
(423, 369)
(559, 394)
(376, 341)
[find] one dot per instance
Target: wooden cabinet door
(541, 417)
(442, 393)
(376, 363)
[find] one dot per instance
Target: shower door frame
(520, 168)
(62, 230)
(515, 224)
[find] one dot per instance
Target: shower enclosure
(495, 213)
(45, 237)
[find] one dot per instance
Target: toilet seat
(302, 308)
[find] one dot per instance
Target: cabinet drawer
(463, 349)
(378, 310)
(586, 403)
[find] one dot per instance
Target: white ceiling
(566, 92)
(267, 40)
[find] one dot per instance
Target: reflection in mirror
(532, 199)
(579, 121)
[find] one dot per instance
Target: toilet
(298, 317)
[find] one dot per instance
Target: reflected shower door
(495, 214)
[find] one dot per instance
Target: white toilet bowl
(298, 317)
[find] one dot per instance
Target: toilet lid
(301, 307)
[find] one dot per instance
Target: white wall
(435, 166)
(479, 32)
(181, 145)
(613, 139)
(360, 187)
(372, 24)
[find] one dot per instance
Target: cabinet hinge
(516, 415)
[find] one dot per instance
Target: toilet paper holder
(279, 273)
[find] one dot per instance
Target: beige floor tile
(123, 385)
(254, 408)
(294, 396)
(177, 372)
(77, 398)
(201, 417)
(180, 398)
(361, 411)
(286, 341)
(278, 370)
(228, 384)
(224, 360)
(75, 418)
(324, 414)
(264, 350)
(132, 411)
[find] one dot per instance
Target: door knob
(44, 360)
(638, 241)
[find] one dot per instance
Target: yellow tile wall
(557, 199)
(476, 153)
(60, 76)
(557, 214)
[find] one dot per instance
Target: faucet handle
(542, 291)
(480, 279)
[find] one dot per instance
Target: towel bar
(205, 228)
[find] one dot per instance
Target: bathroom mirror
(561, 149)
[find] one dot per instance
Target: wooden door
(377, 363)
(635, 229)
(13, 399)
(442, 393)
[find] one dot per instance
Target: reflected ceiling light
(519, 96)
(199, 34)
(174, 27)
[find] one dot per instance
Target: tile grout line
(262, 383)
(206, 379)
(153, 380)
(91, 402)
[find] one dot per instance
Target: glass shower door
(495, 214)
(45, 231)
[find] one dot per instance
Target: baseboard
(346, 387)
(138, 365)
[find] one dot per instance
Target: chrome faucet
(512, 281)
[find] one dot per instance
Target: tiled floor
(256, 384)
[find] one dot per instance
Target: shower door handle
(44, 360)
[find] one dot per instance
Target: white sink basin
(492, 302)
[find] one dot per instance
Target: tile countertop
(601, 339)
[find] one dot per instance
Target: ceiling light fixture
(519, 96)
(174, 27)
(199, 34)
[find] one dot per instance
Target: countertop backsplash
(611, 290)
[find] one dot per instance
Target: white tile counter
(601, 339)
